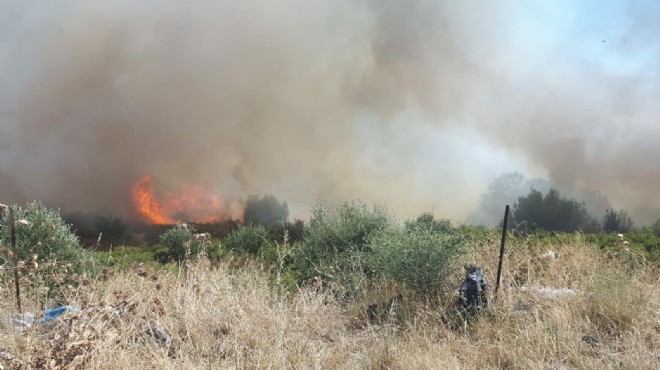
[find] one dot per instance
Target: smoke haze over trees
(416, 104)
(551, 212)
(509, 187)
(617, 221)
(266, 211)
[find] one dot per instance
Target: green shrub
(248, 239)
(162, 254)
(45, 235)
(176, 241)
(348, 228)
(181, 242)
(336, 242)
(419, 257)
(48, 251)
(645, 241)
(428, 222)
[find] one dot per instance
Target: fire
(192, 203)
(145, 201)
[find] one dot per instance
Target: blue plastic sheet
(52, 314)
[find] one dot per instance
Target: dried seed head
(23, 222)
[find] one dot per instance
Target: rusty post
(499, 265)
(14, 251)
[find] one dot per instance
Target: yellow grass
(221, 317)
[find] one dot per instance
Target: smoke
(417, 104)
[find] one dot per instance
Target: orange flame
(146, 203)
(193, 203)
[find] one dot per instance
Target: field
(236, 313)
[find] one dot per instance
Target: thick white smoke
(417, 104)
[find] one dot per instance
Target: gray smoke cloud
(416, 104)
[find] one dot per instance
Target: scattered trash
(591, 340)
(26, 320)
(549, 255)
(14, 363)
(22, 321)
(155, 331)
(472, 294)
(549, 292)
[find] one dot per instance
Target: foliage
(418, 256)
(617, 221)
(180, 242)
(267, 211)
(49, 253)
(124, 257)
(426, 221)
(348, 228)
(43, 238)
(336, 242)
(294, 231)
(248, 239)
(551, 212)
(175, 242)
(647, 240)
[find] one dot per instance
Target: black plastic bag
(472, 294)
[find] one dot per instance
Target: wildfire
(146, 203)
(192, 203)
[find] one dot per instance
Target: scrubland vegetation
(353, 287)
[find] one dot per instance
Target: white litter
(550, 292)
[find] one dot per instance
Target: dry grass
(224, 317)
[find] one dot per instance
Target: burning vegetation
(191, 203)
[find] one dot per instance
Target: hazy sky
(416, 104)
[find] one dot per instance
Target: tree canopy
(617, 221)
(267, 211)
(552, 212)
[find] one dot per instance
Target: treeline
(556, 213)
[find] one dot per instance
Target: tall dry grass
(228, 317)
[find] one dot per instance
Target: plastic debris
(549, 255)
(550, 292)
(27, 320)
(472, 294)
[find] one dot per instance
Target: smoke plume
(416, 104)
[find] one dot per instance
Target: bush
(427, 221)
(645, 241)
(175, 240)
(48, 250)
(419, 257)
(45, 236)
(348, 228)
(337, 241)
(248, 239)
(180, 240)
(294, 230)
